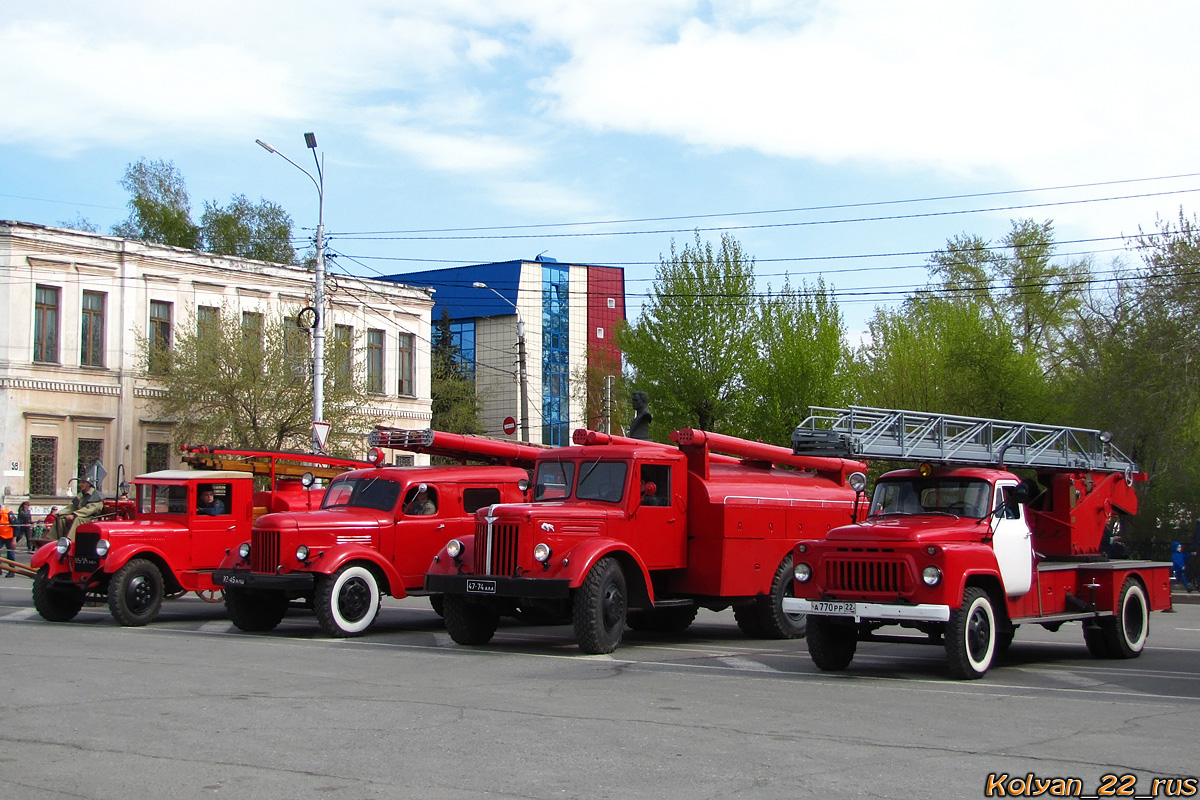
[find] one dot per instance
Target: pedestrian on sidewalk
(6, 537)
(1179, 565)
(23, 526)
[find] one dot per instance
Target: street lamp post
(520, 359)
(318, 358)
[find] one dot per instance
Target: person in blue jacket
(1179, 564)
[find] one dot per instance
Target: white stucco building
(72, 386)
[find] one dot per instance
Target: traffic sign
(320, 435)
(510, 426)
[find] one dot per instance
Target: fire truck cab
(962, 551)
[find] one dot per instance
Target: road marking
(745, 664)
(16, 616)
(216, 626)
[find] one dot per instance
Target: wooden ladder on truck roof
(269, 462)
(897, 435)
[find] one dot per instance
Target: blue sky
(463, 114)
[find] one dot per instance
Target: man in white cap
(86, 504)
(421, 505)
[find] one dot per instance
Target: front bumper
(869, 611)
(495, 586)
(245, 579)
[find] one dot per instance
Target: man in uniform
(85, 505)
(421, 505)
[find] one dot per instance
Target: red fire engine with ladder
(962, 550)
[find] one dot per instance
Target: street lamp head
(479, 285)
(264, 145)
(310, 141)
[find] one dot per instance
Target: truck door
(213, 525)
(664, 544)
(1012, 542)
(421, 529)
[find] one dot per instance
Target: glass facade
(462, 335)
(555, 355)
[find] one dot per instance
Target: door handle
(439, 527)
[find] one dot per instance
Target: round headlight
(302, 553)
(454, 548)
(244, 550)
(63, 545)
(102, 547)
(541, 552)
(803, 572)
(857, 481)
(932, 576)
(523, 484)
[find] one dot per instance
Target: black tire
(347, 602)
(747, 618)
(831, 644)
(135, 592)
(1126, 633)
(773, 621)
(670, 620)
(468, 622)
(1096, 640)
(1004, 638)
(971, 635)
(601, 605)
(255, 610)
(55, 599)
(437, 603)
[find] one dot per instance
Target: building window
(252, 325)
(375, 361)
(160, 336)
(555, 355)
(90, 451)
(158, 456)
(612, 302)
(462, 336)
(91, 350)
(297, 349)
(45, 325)
(208, 318)
(43, 465)
(406, 367)
(343, 355)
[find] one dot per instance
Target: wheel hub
(354, 600)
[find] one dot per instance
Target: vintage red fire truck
(166, 540)
(374, 534)
(629, 531)
(962, 550)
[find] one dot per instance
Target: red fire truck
(962, 550)
(374, 534)
(163, 542)
(623, 530)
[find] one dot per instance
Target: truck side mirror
(1021, 493)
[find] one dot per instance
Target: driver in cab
(421, 505)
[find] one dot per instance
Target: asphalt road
(189, 707)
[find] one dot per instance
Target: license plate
(231, 580)
(481, 587)
(85, 564)
(827, 607)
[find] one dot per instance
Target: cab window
(380, 494)
(213, 499)
(602, 480)
(660, 476)
(159, 499)
(475, 498)
(553, 480)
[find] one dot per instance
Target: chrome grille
(264, 551)
(856, 575)
(501, 546)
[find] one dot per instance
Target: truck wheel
(747, 618)
(831, 644)
(347, 602)
(255, 610)
(55, 599)
(673, 619)
(774, 622)
(971, 635)
(1096, 640)
(468, 622)
(135, 592)
(1127, 632)
(600, 608)
(437, 603)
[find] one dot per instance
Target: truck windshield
(377, 493)
(958, 496)
(602, 480)
(554, 479)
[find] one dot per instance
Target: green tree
(250, 385)
(455, 404)
(159, 206)
(803, 360)
(689, 348)
(261, 231)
